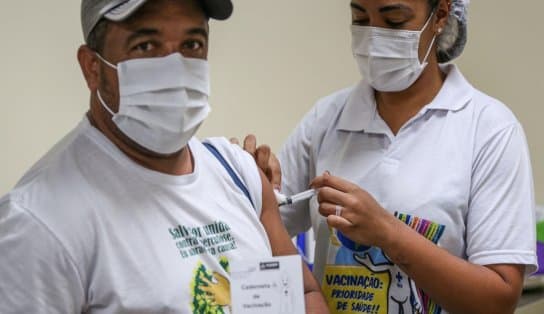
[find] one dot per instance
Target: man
(129, 213)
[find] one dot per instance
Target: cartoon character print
(401, 298)
(394, 292)
(211, 290)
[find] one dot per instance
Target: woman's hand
(353, 211)
(264, 157)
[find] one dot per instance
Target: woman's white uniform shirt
(458, 172)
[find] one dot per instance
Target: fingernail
(327, 173)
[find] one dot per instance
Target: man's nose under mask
(162, 101)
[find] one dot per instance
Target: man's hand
(265, 159)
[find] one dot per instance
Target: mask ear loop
(429, 49)
(105, 61)
(104, 103)
(432, 41)
(97, 91)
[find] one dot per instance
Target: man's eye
(144, 47)
(193, 45)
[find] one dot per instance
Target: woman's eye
(358, 18)
(396, 24)
(360, 22)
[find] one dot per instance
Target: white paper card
(273, 285)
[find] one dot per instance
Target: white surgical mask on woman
(162, 101)
(388, 58)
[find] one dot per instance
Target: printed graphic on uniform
(210, 290)
(355, 289)
(362, 279)
(433, 232)
(214, 239)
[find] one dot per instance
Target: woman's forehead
(411, 4)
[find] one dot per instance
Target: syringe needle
(286, 200)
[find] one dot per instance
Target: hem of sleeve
(526, 258)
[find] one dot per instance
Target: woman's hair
(453, 38)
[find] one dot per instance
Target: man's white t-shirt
(458, 173)
(87, 230)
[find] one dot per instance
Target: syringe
(286, 200)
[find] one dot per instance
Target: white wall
(270, 62)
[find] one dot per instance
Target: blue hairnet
(453, 38)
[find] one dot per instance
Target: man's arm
(282, 245)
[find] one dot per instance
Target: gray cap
(117, 10)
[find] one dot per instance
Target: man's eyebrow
(198, 31)
(357, 7)
(141, 33)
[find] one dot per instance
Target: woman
(425, 182)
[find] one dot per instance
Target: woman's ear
(442, 15)
(89, 64)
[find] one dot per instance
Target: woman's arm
(458, 286)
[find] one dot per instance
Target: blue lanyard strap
(230, 171)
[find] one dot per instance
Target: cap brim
(218, 9)
(124, 10)
(215, 9)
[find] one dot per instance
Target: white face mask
(162, 101)
(388, 58)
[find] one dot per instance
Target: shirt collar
(456, 92)
(360, 114)
(360, 109)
